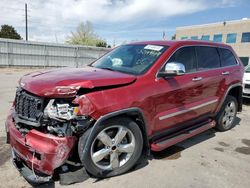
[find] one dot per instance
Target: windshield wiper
(115, 70)
(107, 68)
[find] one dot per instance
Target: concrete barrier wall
(39, 54)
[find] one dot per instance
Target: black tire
(221, 123)
(87, 139)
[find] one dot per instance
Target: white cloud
(56, 17)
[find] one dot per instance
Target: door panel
(186, 98)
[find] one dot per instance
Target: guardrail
(39, 54)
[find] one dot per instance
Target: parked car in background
(246, 82)
(140, 97)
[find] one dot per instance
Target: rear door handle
(225, 73)
(197, 78)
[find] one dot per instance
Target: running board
(165, 143)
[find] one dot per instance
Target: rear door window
(227, 57)
(207, 57)
(186, 56)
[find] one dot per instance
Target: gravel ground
(211, 159)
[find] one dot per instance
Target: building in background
(235, 33)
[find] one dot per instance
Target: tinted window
(245, 37)
(194, 37)
(186, 56)
(231, 38)
(184, 38)
(207, 58)
(227, 58)
(218, 38)
(244, 60)
(205, 37)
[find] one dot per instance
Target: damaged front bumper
(28, 173)
(37, 155)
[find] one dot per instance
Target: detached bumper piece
(41, 153)
(28, 174)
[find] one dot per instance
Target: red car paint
(156, 97)
(53, 150)
(45, 83)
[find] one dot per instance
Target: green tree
(174, 37)
(84, 35)
(7, 31)
(101, 43)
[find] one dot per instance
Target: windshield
(132, 59)
(247, 69)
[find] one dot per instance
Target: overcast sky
(116, 20)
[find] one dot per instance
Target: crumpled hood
(46, 83)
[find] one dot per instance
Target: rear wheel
(115, 148)
(227, 114)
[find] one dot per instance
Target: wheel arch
(134, 113)
(237, 93)
(234, 90)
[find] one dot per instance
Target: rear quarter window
(227, 58)
(207, 57)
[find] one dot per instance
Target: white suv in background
(246, 82)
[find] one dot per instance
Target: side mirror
(173, 69)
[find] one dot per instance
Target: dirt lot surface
(209, 160)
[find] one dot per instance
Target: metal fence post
(46, 60)
(76, 57)
(8, 56)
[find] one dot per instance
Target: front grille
(28, 107)
(247, 86)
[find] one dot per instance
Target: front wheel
(115, 147)
(227, 114)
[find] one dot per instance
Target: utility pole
(26, 21)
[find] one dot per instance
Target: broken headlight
(60, 111)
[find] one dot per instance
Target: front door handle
(225, 73)
(197, 78)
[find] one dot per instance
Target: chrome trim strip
(188, 110)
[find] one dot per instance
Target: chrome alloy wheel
(229, 114)
(112, 147)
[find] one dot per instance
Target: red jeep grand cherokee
(140, 96)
